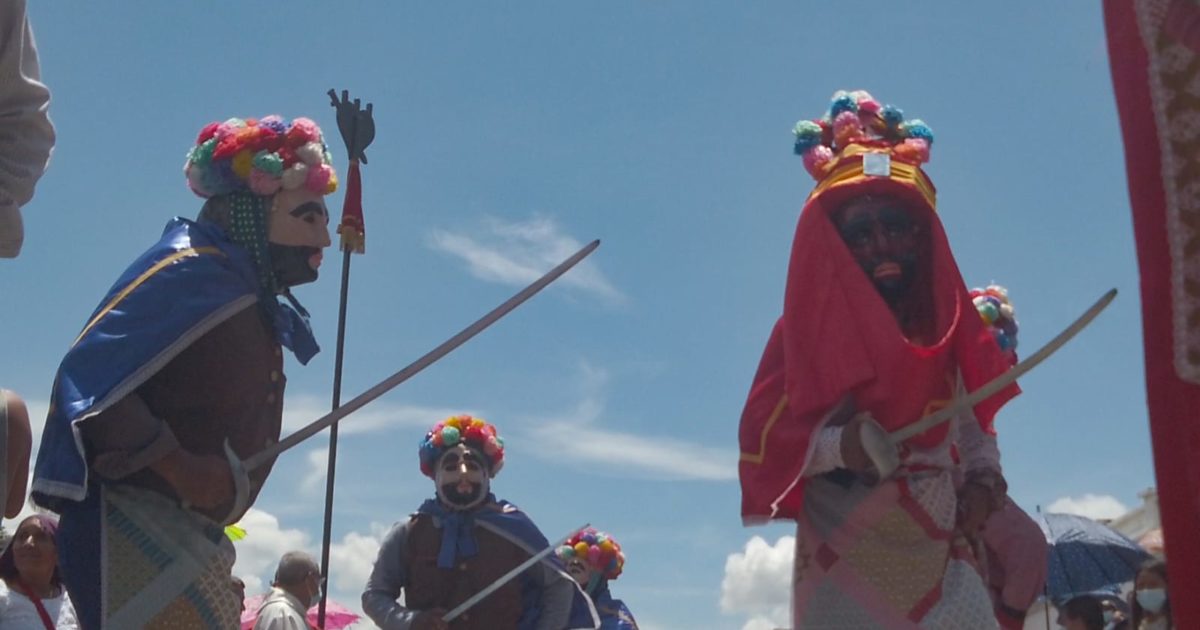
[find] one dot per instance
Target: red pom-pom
(207, 132)
(227, 147)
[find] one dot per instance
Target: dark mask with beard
(290, 264)
(461, 478)
(882, 236)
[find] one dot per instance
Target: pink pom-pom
(816, 159)
(318, 178)
(263, 183)
(303, 131)
(594, 556)
(847, 128)
(868, 106)
(912, 150)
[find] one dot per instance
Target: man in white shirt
(297, 587)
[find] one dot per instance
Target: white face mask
(461, 478)
(1152, 599)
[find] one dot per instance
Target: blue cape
(506, 520)
(190, 281)
(614, 614)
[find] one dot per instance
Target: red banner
(1154, 50)
(352, 231)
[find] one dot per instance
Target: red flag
(1154, 51)
(351, 230)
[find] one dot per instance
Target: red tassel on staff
(351, 231)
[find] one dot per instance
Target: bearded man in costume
(877, 331)
(594, 558)
(179, 369)
(464, 540)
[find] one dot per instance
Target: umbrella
(337, 616)
(1086, 556)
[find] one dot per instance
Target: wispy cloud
(1093, 506)
(576, 438)
(520, 252)
(301, 409)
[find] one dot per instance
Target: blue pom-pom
(842, 103)
(892, 115)
(917, 129)
(808, 135)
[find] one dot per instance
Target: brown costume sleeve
(126, 438)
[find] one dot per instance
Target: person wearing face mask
(296, 588)
(462, 541)
(1151, 604)
(32, 596)
(877, 331)
(594, 559)
(179, 369)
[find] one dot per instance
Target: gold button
(268, 442)
(465, 616)
(462, 567)
(274, 376)
(278, 351)
(271, 398)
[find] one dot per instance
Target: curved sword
(257, 460)
(881, 446)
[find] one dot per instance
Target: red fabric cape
(837, 337)
(1167, 324)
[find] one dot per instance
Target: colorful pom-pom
(808, 135)
(597, 549)
(912, 150)
(847, 128)
(893, 116)
(295, 176)
(816, 159)
(842, 102)
(917, 129)
(243, 154)
(472, 432)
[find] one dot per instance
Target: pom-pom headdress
(597, 549)
(858, 138)
(999, 317)
(467, 430)
(260, 157)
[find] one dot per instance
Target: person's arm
(26, 134)
(127, 437)
(387, 581)
(557, 596)
(16, 457)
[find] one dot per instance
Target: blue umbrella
(1086, 556)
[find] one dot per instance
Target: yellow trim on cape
(757, 458)
(137, 282)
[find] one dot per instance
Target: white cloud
(259, 552)
(318, 466)
(571, 442)
(1093, 506)
(351, 560)
(574, 439)
(758, 583)
(520, 252)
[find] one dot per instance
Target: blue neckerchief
(291, 326)
(458, 531)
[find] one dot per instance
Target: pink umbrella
(337, 616)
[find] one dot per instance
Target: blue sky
(510, 133)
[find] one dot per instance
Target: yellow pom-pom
(331, 187)
(455, 422)
(606, 546)
(581, 549)
(242, 162)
